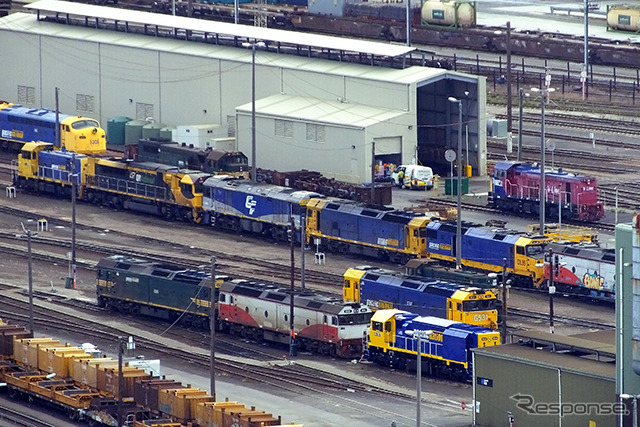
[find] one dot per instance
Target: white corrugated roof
(234, 30)
(319, 110)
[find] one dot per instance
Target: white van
(415, 177)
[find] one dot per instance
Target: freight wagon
(87, 389)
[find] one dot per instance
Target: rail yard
(144, 234)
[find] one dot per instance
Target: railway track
(12, 417)
(616, 125)
(251, 363)
(190, 255)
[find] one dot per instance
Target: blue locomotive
(445, 345)
(488, 249)
(20, 124)
(346, 226)
(261, 208)
(382, 289)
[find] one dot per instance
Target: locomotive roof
(43, 114)
(160, 167)
(374, 211)
(153, 268)
(217, 154)
(418, 283)
(591, 252)
(535, 169)
(304, 299)
(263, 189)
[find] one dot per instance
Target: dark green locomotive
(157, 289)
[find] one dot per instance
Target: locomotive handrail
(55, 173)
(410, 344)
(124, 186)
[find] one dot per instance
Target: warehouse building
(545, 379)
(321, 103)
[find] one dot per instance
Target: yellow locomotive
(146, 187)
(382, 289)
(19, 125)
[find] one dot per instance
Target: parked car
(415, 177)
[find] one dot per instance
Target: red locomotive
(515, 187)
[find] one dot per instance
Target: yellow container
(86, 371)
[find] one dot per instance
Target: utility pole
(29, 278)
(212, 329)
(123, 345)
(56, 131)
(552, 289)
(292, 333)
(503, 333)
(303, 231)
(71, 280)
(408, 22)
(520, 108)
(509, 102)
(373, 171)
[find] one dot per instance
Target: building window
(284, 128)
(85, 103)
(315, 133)
(26, 95)
(144, 111)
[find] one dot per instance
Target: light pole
(544, 92)
(29, 275)
(583, 74)
(123, 345)
(212, 329)
(73, 176)
(508, 77)
(419, 335)
(552, 289)
(509, 117)
(253, 46)
(459, 187)
(521, 95)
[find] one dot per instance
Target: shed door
(388, 145)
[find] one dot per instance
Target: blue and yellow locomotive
(19, 125)
(381, 289)
(146, 187)
(489, 249)
(345, 226)
(445, 345)
(260, 208)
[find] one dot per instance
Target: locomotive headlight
(95, 130)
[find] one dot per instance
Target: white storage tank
(624, 18)
(449, 13)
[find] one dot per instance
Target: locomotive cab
(473, 306)
(383, 327)
(28, 158)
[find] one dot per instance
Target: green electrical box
(451, 186)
